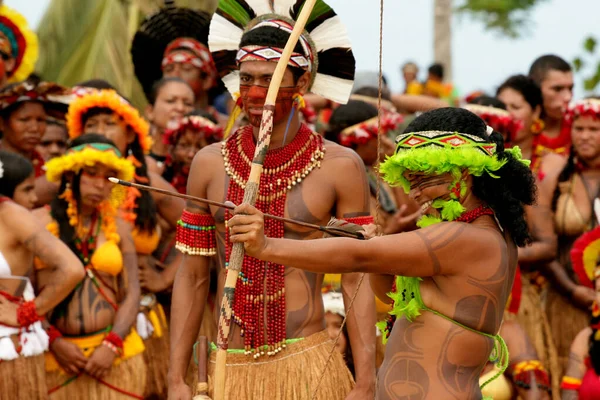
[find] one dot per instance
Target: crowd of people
(480, 217)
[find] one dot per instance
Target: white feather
(332, 88)
(7, 349)
(597, 209)
(223, 35)
(283, 7)
(143, 326)
(260, 7)
(232, 82)
(331, 34)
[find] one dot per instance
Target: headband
(362, 132)
(197, 55)
(198, 124)
(439, 152)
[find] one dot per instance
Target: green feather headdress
(437, 152)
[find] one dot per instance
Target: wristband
(53, 334)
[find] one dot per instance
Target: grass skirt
(532, 318)
(23, 378)
(156, 356)
(566, 321)
(292, 374)
(129, 375)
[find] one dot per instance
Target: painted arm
(353, 201)
(190, 288)
(129, 284)
(170, 208)
(425, 252)
(67, 270)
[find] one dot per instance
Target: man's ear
(304, 83)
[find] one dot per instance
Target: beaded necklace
(262, 284)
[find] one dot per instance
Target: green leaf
(578, 64)
(590, 44)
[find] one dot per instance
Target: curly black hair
(506, 195)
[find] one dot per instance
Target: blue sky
(481, 60)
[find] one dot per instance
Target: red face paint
(253, 99)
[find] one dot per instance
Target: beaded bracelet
(367, 220)
(114, 342)
(196, 234)
(27, 314)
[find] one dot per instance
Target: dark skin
(88, 310)
(586, 141)
(21, 240)
(557, 92)
(430, 358)
(576, 368)
(520, 349)
(322, 194)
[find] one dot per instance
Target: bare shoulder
(42, 215)
(14, 215)
(340, 156)
(552, 164)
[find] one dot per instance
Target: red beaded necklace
(470, 216)
(262, 285)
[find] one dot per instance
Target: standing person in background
(18, 47)
(435, 86)
(554, 76)
(565, 211)
(523, 100)
(95, 351)
(173, 44)
(170, 99)
(23, 340)
(108, 114)
(410, 73)
(54, 140)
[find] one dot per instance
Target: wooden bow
(250, 194)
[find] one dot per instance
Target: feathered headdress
(18, 42)
(326, 50)
(172, 28)
(497, 118)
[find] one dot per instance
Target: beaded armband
(570, 383)
(360, 220)
(525, 370)
(196, 234)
